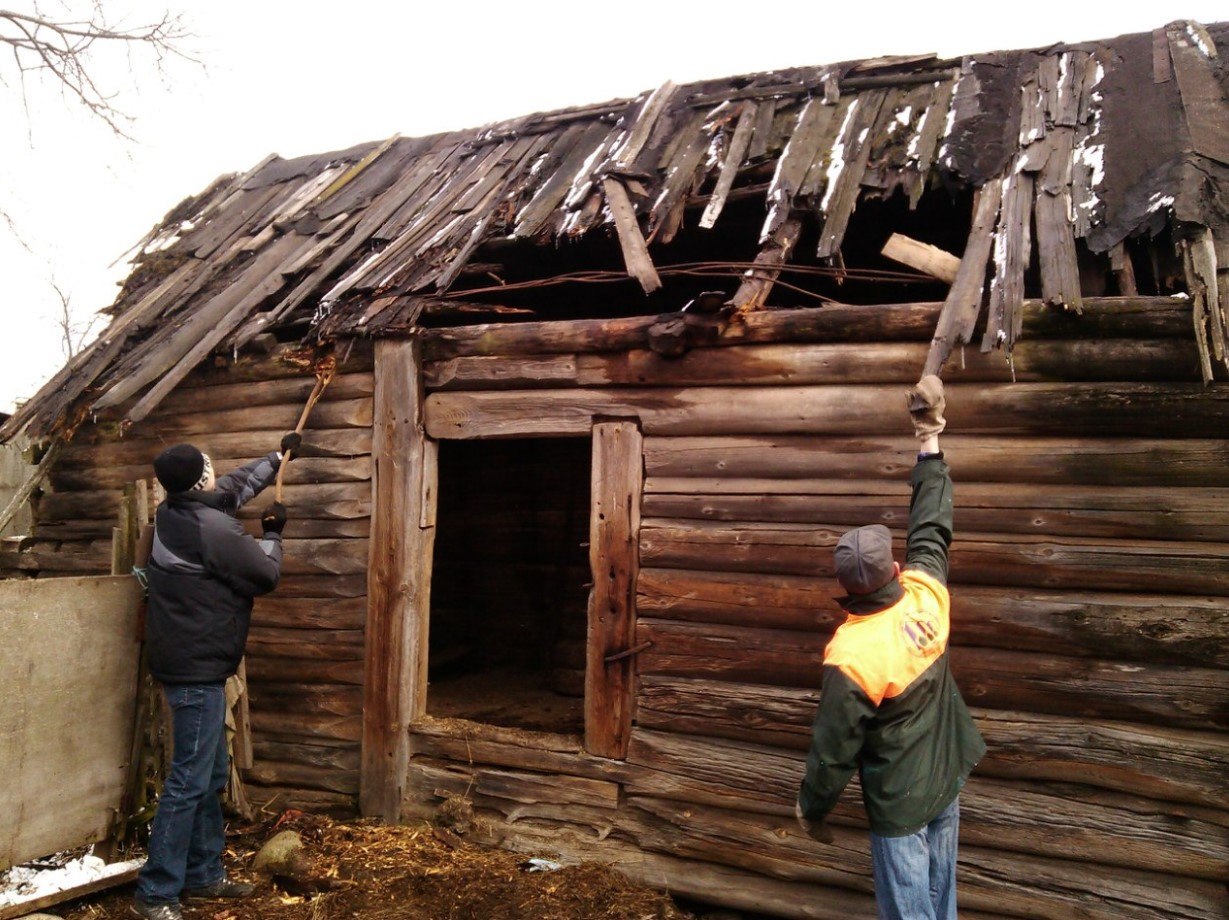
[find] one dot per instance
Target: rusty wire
(721, 269)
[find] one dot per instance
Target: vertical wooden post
(398, 577)
(614, 534)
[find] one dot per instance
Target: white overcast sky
(304, 77)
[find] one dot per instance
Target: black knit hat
(179, 468)
(864, 559)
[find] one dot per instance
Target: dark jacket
(204, 570)
(888, 706)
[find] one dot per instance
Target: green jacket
(888, 706)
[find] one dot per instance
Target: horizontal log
(771, 365)
(100, 451)
(326, 644)
(706, 882)
(189, 398)
(1076, 563)
(323, 501)
(324, 557)
(305, 725)
(300, 470)
(1096, 409)
(49, 560)
(761, 780)
(323, 699)
(1058, 461)
(433, 776)
(341, 413)
(1159, 694)
(275, 799)
(1083, 511)
(283, 361)
(1174, 765)
(297, 613)
(323, 587)
(474, 743)
(265, 669)
(1158, 628)
(329, 779)
(299, 528)
(777, 847)
(325, 757)
(1107, 317)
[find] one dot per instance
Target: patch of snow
(837, 166)
(913, 153)
(1197, 39)
(26, 884)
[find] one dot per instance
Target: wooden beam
(398, 579)
(932, 260)
(963, 302)
(1103, 318)
(631, 240)
(614, 534)
(1094, 409)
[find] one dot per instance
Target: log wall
(305, 649)
(1090, 577)
(1089, 582)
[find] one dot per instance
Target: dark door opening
(509, 587)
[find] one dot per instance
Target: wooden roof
(1097, 141)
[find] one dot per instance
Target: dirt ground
(370, 871)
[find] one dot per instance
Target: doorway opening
(510, 583)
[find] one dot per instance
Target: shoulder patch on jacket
(885, 652)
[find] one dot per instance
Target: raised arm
(930, 508)
(248, 481)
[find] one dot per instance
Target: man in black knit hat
(888, 707)
(204, 570)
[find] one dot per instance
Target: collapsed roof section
(1093, 142)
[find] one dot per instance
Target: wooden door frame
(405, 481)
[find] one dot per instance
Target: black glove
(818, 831)
(274, 519)
(290, 442)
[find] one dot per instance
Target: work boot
(156, 911)
(223, 888)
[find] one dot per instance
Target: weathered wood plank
(1164, 410)
(932, 260)
(1164, 763)
(1078, 563)
(62, 786)
(1057, 511)
(960, 310)
(614, 534)
(1104, 317)
(1163, 629)
(399, 578)
(1059, 460)
(635, 251)
(317, 613)
(758, 365)
(1149, 693)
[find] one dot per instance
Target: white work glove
(926, 404)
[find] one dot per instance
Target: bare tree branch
(72, 334)
(63, 49)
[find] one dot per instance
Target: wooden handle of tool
(321, 383)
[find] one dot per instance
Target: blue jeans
(185, 845)
(915, 875)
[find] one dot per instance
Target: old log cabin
(559, 549)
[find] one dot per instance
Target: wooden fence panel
(68, 669)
